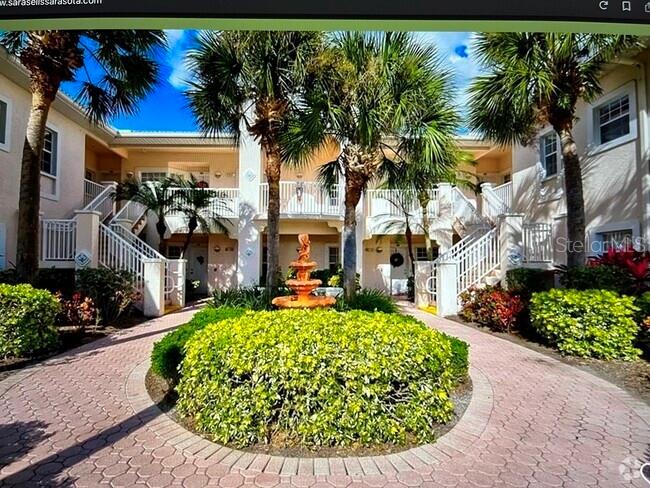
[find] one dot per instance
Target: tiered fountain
(302, 285)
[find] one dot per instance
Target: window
(333, 257)
(613, 119)
(174, 252)
(4, 125)
(421, 254)
(549, 153)
(617, 239)
(152, 175)
(49, 153)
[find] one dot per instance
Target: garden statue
(302, 285)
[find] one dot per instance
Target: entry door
(197, 265)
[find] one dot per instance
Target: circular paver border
(461, 436)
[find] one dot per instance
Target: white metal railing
(131, 211)
(397, 203)
(135, 241)
(224, 202)
(304, 198)
(58, 240)
(464, 210)
(116, 253)
(104, 203)
(538, 245)
(477, 260)
(504, 193)
(91, 191)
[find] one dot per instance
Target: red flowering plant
(635, 263)
(491, 306)
(78, 311)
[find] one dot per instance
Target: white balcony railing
(304, 198)
(538, 243)
(58, 240)
(224, 202)
(104, 202)
(91, 191)
(131, 212)
(504, 193)
(398, 203)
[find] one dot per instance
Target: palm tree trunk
(161, 228)
(424, 200)
(353, 188)
(575, 205)
(191, 227)
(27, 255)
(409, 244)
(273, 172)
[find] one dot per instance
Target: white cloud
(178, 41)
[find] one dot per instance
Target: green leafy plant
(602, 277)
(168, 353)
(336, 279)
(27, 320)
(368, 299)
(251, 298)
(526, 281)
(491, 306)
(590, 323)
(459, 359)
(318, 378)
(78, 311)
(111, 290)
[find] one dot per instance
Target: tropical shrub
(78, 311)
(336, 279)
(368, 299)
(251, 298)
(590, 323)
(318, 378)
(111, 290)
(26, 320)
(459, 359)
(168, 353)
(635, 264)
(526, 281)
(491, 306)
(598, 277)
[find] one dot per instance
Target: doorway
(197, 267)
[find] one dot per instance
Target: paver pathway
(82, 419)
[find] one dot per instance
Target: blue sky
(165, 109)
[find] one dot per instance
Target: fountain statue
(302, 285)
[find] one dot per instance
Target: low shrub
(318, 378)
(112, 291)
(251, 298)
(601, 277)
(27, 320)
(459, 360)
(643, 319)
(368, 299)
(336, 279)
(78, 311)
(590, 323)
(168, 353)
(526, 281)
(491, 306)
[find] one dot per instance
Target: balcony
(387, 211)
(304, 199)
(224, 202)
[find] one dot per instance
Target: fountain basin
(304, 301)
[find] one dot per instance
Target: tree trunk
(161, 228)
(409, 244)
(191, 227)
(426, 225)
(575, 205)
(27, 254)
(353, 188)
(273, 172)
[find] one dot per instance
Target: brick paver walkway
(83, 419)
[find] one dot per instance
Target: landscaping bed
(311, 383)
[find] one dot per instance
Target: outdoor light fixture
(217, 174)
(217, 248)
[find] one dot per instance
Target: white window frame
(542, 156)
(595, 234)
(335, 246)
(417, 251)
(593, 121)
(6, 146)
(152, 170)
(56, 177)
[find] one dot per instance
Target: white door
(197, 265)
(3, 246)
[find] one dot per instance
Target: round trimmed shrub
(26, 320)
(318, 378)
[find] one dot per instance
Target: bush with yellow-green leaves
(320, 378)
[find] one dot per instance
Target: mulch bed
(631, 376)
(70, 337)
(165, 397)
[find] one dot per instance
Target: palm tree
(126, 61)
(534, 79)
(156, 196)
(202, 207)
(252, 80)
(381, 97)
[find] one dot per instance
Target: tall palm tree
(156, 196)
(381, 97)
(254, 80)
(128, 72)
(537, 78)
(202, 207)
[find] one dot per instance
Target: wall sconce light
(129, 174)
(380, 249)
(299, 176)
(217, 248)
(368, 249)
(217, 174)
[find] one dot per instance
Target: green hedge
(168, 353)
(26, 320)
(590, 323)
(369, 300)
(319, 377)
